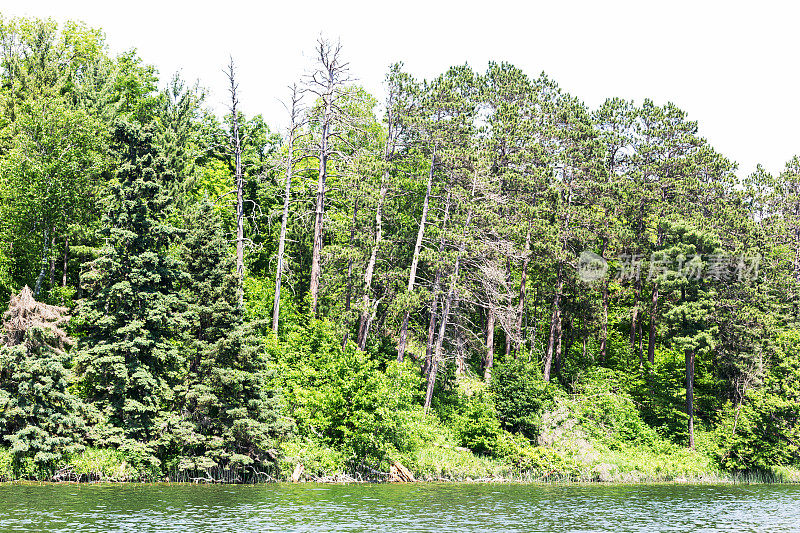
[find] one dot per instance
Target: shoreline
(727, 479)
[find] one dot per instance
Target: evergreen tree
(129, 320)
(227, 415)
(39, 417)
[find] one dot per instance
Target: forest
(470, 276)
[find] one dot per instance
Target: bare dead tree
(236, 148)
(24, 313)
(495, 295)
(393, 128)
(294, 128)
(326, 82)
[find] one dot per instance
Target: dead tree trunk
(293, 127)
(325, 83)
(426, 367)
(412, 275)
(690, 394)
(236, 146)
(523, 277)
(349, 290)
(489, 360)
(319, 214)
(370, 272)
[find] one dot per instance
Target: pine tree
(129, 318)
(39, 417)
(227, 415)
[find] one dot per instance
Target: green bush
(477, 425)
(342, 397)
(521, 396)
(110, 465)
(6, 469)
(317, 458)
(768, 425)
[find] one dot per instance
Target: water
(399, 508)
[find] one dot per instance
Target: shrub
(521, 396)
(477, 425)
(607, 412)
(343, 398)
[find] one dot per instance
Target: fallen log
(298, 471)
(400, 474)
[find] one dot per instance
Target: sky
(732, 66)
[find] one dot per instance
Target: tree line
(230, 286)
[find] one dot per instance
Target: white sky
(731, 65)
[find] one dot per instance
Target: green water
(399, 508)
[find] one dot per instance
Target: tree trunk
(436, 286)
(401, 347)
(461, 360)
(238, 183)
(690, 394)
(349, 290)
(559, 344)
(440, 339)
(365, 313)
(521, 305)
(40, 278)
(285, 218)
(446, 313)
(426, 367)
(488, 362)
(435, 304)
(316, 253)
(507, 336)
(651, 341)
(362, 343)
(604, 317)
(635, 312)
(639, 351)
(66, 261)
(604, 325)
(554, 342)
(52, 261)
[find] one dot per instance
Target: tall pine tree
(130, 317)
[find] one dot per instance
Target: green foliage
(604, 407)
(521, 396)
(764, 430)
(116, 201)
(39, 417)
(129, 322)
(477, 425)
(346, 399)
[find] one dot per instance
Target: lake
(398, 508)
